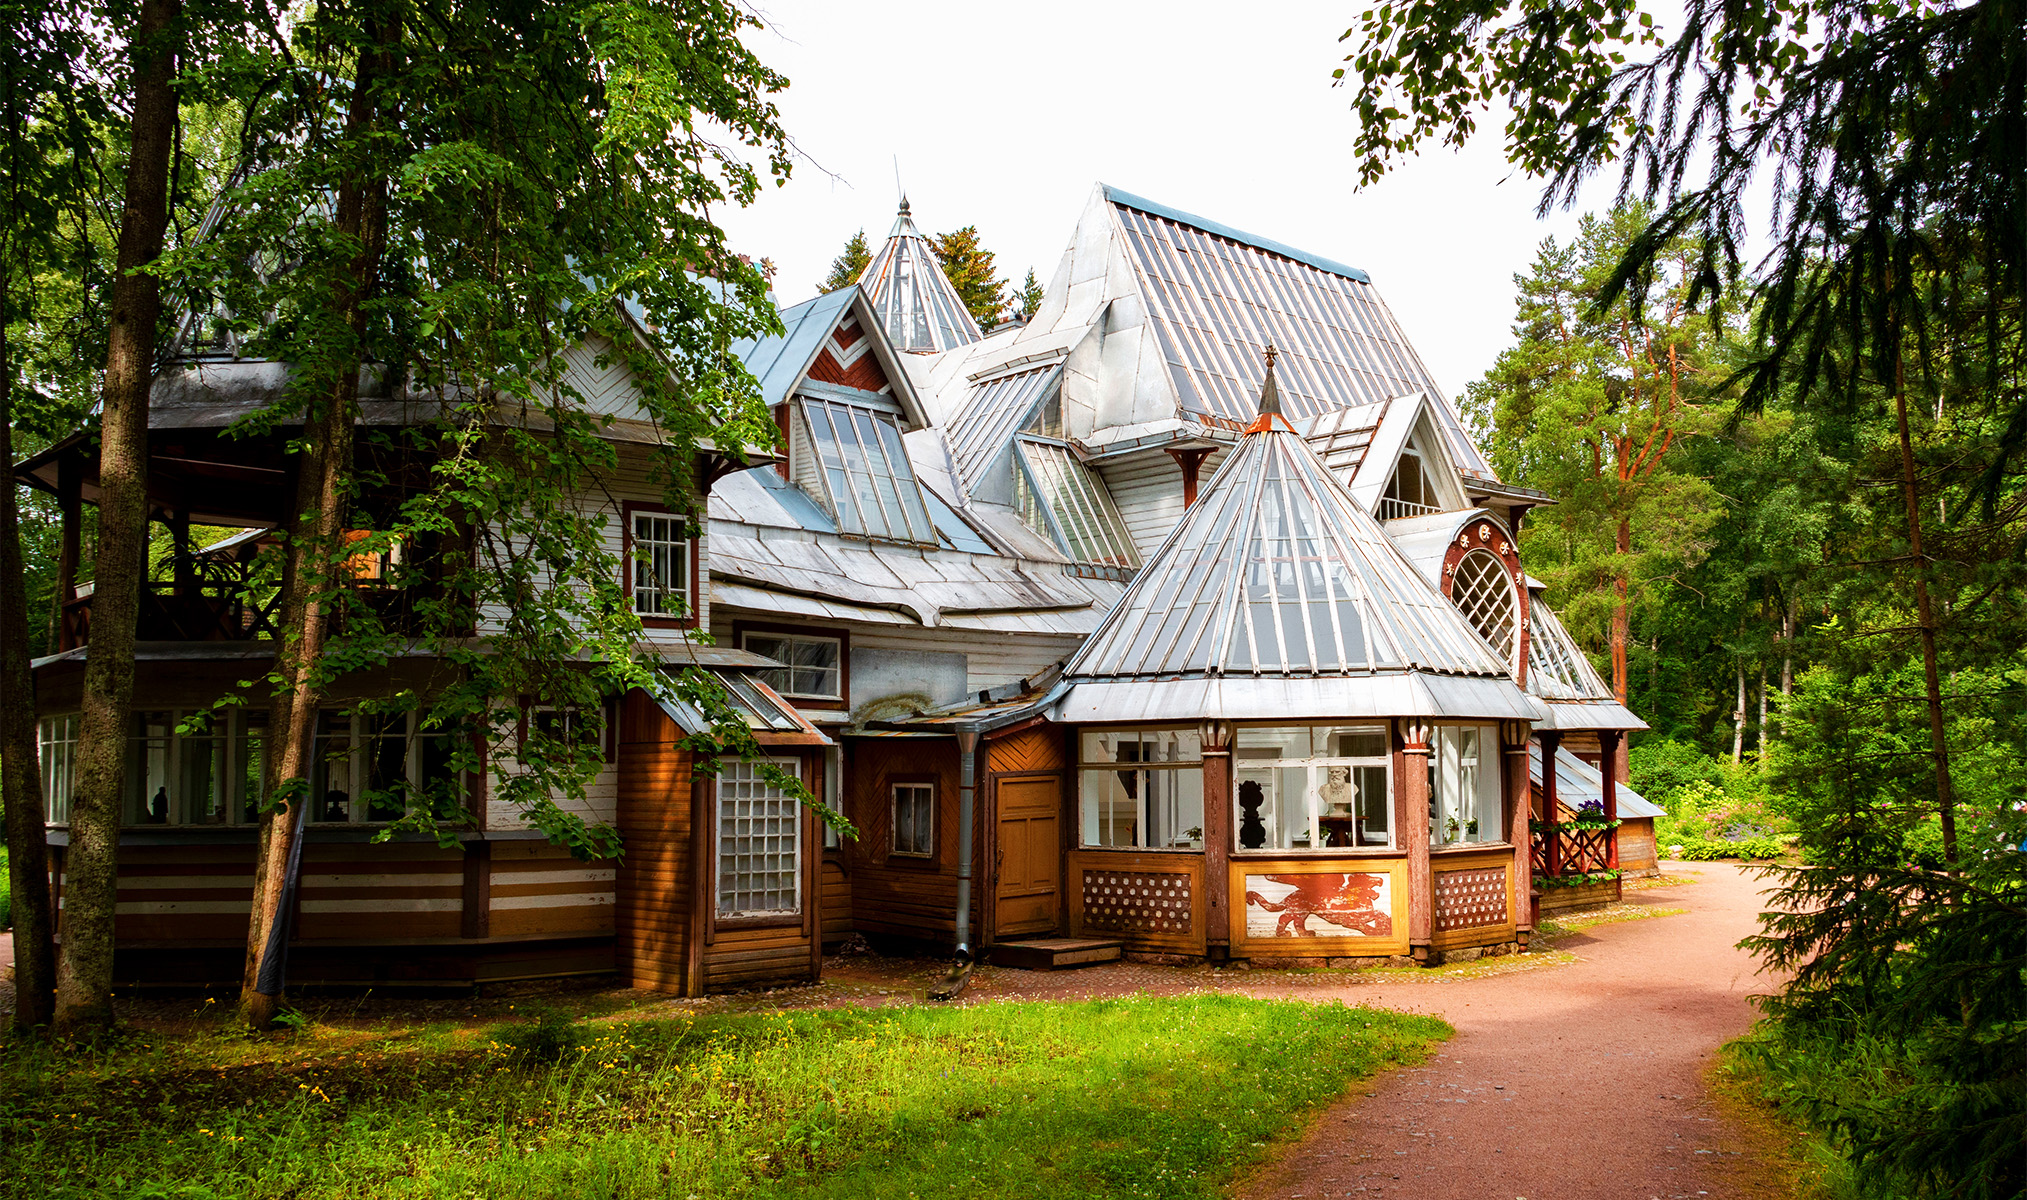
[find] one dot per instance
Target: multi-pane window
(1059, 498)
(1484, 592)
(868, 484)
(1142, 788)
(759, 843)
(915, 819)
(372, 767)
(58, 745)
(813, 666)
(1464, 786)
(661, 566)
(1311, 788)
(211, 775)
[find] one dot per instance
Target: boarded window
(759, 843)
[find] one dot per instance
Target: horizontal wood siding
(183, 893)
(746, 958)
(539, 889)
(1637, 851)
(905, 897)
(358, 890)
(837, 899)
(653, 883)
(1147, 487)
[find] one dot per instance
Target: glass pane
(331, 775)
(151, 802)
(759, 843)
(1142, 745)
(1175, 808)
(1111, 808)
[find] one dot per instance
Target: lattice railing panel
(1470, 899)
(1156, 903)
(1583, 851)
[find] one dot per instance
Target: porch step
(1043, 954)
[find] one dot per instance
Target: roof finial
(1270, 396)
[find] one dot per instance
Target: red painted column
(1610, 741)
(1519, 808)
(1215, 904)
(1414, 799)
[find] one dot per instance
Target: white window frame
(736, 774)
(56, 754)
(231, 756)
(926, 793)
(1464, 786)
(651, 587)
(1157, 790)
(1315, 768)
(766, 674)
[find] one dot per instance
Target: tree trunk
(316, 527)
(1760, 735)
(20, 790)
(85, 969)
(1939, 749)
(1738, 716)
(1622, 625)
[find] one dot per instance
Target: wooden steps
(1045, 954)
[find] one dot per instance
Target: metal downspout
(967, 807)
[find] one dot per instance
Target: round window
(1484, 593)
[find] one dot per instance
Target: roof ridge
(1154, 208)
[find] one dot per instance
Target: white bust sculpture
(1338, 793)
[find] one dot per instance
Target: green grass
(1136, 1097)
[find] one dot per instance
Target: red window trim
(627, 511)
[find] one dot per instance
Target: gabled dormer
(1408, 470)
(842, 401)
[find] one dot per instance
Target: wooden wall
(906, 897)
(1638, 855)
(656, 880)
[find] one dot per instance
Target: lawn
(1136, 1097)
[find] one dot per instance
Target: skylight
(868, 485)
(1059, 497)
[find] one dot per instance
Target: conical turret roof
(1277, 577)
(911, 296)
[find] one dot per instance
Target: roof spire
(1270, 396)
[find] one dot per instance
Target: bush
(548, 1034)
(1660, 767)
(1704, 850)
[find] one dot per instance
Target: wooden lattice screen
(1146, 903)
(1470, 899)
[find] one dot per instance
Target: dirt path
(1575, 1083)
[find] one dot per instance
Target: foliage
(850, 263)
(1658, 768)
(1137, 1097)
(1596, 408)
(969, 267)
(1690, 849)
(1028, 297)
(549, 1035)
(1577, 879)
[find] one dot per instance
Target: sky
(1005, 116)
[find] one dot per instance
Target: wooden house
(1105, 640)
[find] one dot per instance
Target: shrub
(1706, 850)
(548, 1034)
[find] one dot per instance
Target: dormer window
(1061, 499)
(1411, 492)
(863, 476)
(1484, 593)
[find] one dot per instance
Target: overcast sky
(1005, 116)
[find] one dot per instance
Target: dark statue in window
(1252, 830)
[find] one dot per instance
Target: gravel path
(1580, 1082)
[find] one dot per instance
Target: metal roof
(1276, 570)
(912, 298)
(1217, 298)
(779, 362)
(1577, 781)
(1556, 668)
(1341, 436)
(993, 411)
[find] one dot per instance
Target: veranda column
(1551, 840)
(1414, 788)
(1217, 748)
(1609, 741)
(1519, 809)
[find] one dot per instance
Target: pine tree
(1029, 297)
(848, 266)
(970, 269)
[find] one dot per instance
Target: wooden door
(1030, 855)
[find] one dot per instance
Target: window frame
(814, 633)
(694, 552)
(894, 785)
(1384, 760)
(46, 773)
(804, 892)
(1491, 792)
(849, 510)
(1087, 766)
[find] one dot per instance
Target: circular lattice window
(1483, 591)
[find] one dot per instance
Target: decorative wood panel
(1319, 907)
(909, 897)
(1034, 749)
(1148, 901)
(1471, 899)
